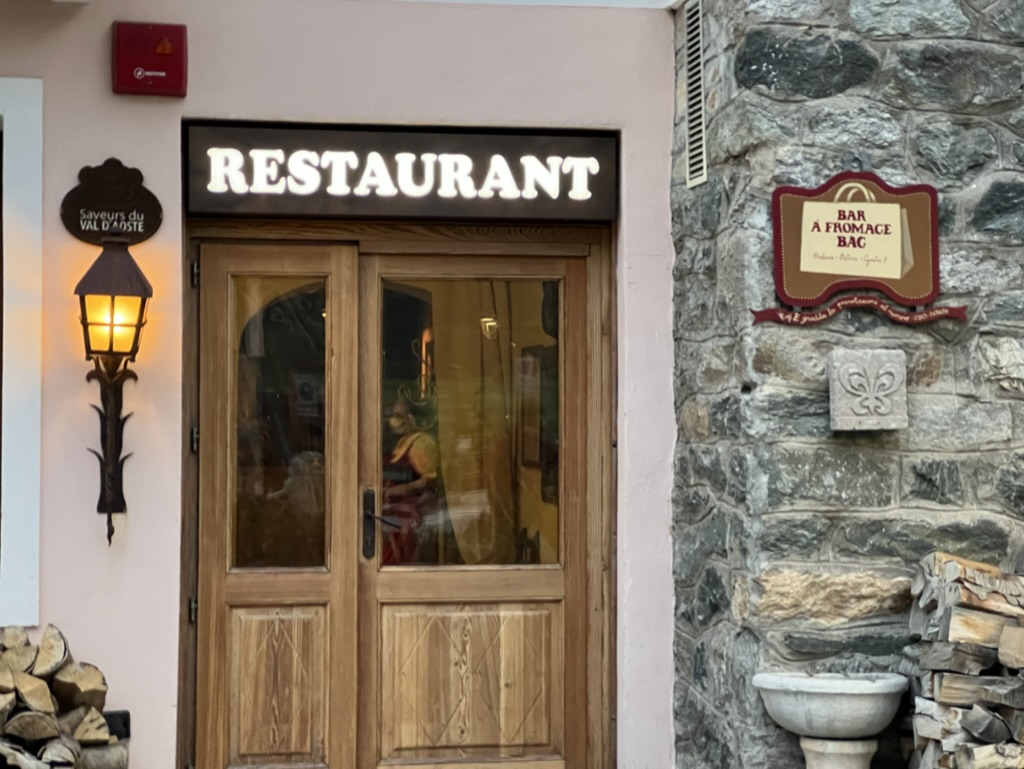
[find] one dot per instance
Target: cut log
(1011, 647)
(53, 653)
(69, 720)
(1009, 692)
(950, 566)
(93, 730)
(1003, 756)
(957, 657)
(951, 717)
(32, 727)
(927, 686)
(80, 683)
(924, 623)
(934, 757)
(974, 597)
(958, 689)
(20, 658)
(13, 636)
(909, 662)
(60, 750)
(934, 721)
(971, 626)
(1014, 720)
(986, 725)
(6, 679)
(113, 756)
(17, 756)
(927, 728)
(7, 703)
(34, 693)
(937, 567)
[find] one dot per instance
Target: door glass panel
(279, 484)
(470, 400)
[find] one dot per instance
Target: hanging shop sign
(110, 196)
(856, 233)
(260, 170)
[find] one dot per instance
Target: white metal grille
(693, 73)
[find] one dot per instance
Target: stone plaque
(868, 389)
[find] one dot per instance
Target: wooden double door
(394, 510)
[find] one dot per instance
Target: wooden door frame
(402, 238)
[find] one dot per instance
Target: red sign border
(847, 284)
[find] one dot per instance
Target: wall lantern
(114, 296)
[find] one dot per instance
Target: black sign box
(273, 170)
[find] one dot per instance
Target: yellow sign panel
(859, 239)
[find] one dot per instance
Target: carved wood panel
(470, 680)
(278, 685)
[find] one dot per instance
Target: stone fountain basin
(832, 705)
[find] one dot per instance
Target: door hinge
(193, 610)
(195, 440)
(195, 273)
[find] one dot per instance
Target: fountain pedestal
(838, 754)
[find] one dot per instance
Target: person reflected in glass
(410, 488)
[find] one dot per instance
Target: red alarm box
(150, 59)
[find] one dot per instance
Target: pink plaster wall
(371, 61)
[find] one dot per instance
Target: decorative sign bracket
(856, 232)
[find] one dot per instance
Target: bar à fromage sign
(260, 170)
(855, 232)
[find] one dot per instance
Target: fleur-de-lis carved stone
(868, 389)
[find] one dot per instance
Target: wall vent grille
(693, 74)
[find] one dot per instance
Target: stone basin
(832, 705)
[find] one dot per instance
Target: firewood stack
(966, 667)
(51, 707)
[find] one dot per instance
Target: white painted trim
(21, 118)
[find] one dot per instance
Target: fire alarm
(150, 58)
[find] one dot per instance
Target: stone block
(974, 536)
(868, 389)
(802, 66)
(838, 598)
(828, 476)
(955, 76)
(935, 18)
(950, 150)
(999, 210)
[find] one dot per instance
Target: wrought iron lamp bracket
(111, 375)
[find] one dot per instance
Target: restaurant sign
(273, 170)
(855, 232)
(110, 199)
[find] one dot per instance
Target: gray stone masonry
(793, 543)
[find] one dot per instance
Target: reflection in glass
(280, 501)
(470, 399)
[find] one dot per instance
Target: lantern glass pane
(99, 339)
(97, 308)
(124, 337)
(126, 310)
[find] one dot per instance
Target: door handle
(370, 518)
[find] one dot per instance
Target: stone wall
(794, 544)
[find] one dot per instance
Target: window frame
(21, 207)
